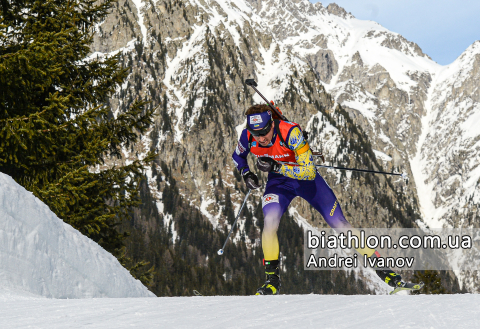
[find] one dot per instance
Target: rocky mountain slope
(398, 110)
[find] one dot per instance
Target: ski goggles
(259, 124)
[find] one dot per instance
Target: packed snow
(42, 256)
(279, 312)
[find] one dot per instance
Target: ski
(408, 286)
(196, 293)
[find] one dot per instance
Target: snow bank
(41, 255)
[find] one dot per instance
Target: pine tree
(57, 130)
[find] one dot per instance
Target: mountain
(369, 97)
(41, 256)
(449, 144)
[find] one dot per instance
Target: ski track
(284, 311)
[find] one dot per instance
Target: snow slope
(40, 255)
(284, 311)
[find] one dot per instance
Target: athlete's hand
(267, 164)
(251, 180)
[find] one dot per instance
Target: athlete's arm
(239, 156)
(306, 169)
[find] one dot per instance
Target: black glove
(251, 180)
(267, 164)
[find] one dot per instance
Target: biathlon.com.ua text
(411, 249)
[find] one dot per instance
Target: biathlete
(271, 140)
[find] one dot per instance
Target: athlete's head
(260, 123)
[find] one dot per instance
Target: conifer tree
(56, 128)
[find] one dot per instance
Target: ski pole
(403, 175)
(318, 154)
(253, 84)
(220, 251)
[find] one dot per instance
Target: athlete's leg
(322, 198)
(278, 195)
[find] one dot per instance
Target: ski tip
(196, 293)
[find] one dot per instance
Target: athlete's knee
(270, 222)
(339, 222)
(335, 217)
(272, 212)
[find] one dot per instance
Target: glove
(251, 180)
(267, 164)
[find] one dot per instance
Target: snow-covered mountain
(41, 256)
(192, 56)
(448, 154)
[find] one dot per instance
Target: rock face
(190, 57)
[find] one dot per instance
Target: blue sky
(442, 28)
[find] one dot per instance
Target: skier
(271, 139)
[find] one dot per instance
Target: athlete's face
(265, 140)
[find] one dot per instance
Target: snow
(101, 56)
(42, 256)
(424, 190)
(204, 210)
(450, 126)
(471, 124)
(382, 156)
(240, 128)
(284, 311)
(139, 4)
(174, 69)
(363, 105)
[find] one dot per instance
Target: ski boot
(391, 278)
(272, 285)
